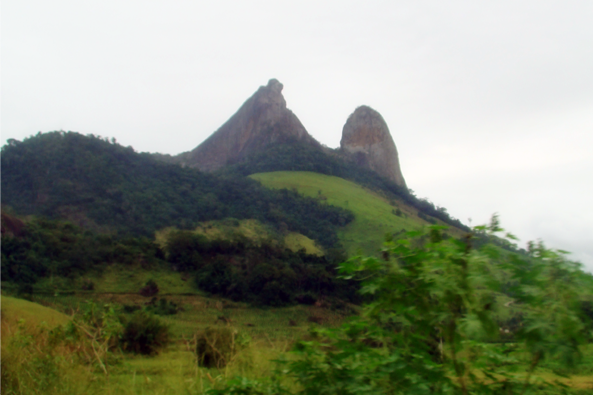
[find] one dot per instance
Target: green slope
(14, 309)
(374, 215)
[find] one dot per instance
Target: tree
(436, 306)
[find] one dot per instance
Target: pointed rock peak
(275, 85)
(271, 92)
(262, 120)
(366, 137)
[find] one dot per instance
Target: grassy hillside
(374, 215)
(300, 157)
(14, 309)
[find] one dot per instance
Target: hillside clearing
(375, 216)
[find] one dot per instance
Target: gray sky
(490, 103)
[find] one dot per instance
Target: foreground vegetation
(37, 358)
(446, 318)
(441, 316)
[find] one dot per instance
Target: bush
(432, 321)
(163, 307)
(150, 289)
(87, 285)
(216, 346)
(144, 334)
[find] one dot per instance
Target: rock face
(262, 120)
(366, 138)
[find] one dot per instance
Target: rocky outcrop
(366, 138)
(262, 120)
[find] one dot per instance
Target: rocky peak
(366, 138)
(263, 119)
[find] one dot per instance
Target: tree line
(264, 273)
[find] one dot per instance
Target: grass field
(270, 332)
(374, 215)
(14, 309)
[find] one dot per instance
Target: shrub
(144, 334)
(150, 289)
(216, 346)
(87, 285)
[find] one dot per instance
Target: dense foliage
(297, 156)
(433, 325)
(104, 186)
(144, 334)
(47, 248)
(265, 274)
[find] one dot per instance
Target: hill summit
(262, 120)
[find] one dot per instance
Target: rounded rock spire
(366, 136)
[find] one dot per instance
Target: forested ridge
(106, 187)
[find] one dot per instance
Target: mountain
(261, 121)
(366, 137)
(264, 122)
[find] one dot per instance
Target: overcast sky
(490, 103)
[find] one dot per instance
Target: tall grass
(32, 363)
(36, 360)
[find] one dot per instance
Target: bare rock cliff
(262, 120)
(366, 138)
